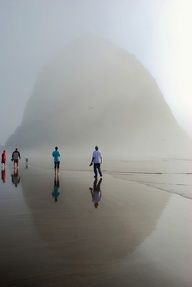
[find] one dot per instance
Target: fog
(32, 33)
(97, 93)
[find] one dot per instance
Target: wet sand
(139, 235)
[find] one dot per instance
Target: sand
(139, 234)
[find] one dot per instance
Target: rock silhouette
(97, 93)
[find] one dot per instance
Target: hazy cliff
(96, 93)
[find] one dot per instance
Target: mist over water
(33, 32)
(96, 93)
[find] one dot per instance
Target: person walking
(56, 157)
(15, 158)
(96, 161)
(3, 159)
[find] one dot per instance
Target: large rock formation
(96, 93)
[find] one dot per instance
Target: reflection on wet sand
(80, 236)
(128, 241)
(3, 175)
(96, 192)
(26, 163)
(56, 186)
(15, 177)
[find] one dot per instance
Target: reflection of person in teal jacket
(56, 186)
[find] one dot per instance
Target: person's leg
(95, 169)
(95, 184)
(58, 185)
(58, 164)
(99, 169)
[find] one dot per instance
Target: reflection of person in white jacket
(96, 192)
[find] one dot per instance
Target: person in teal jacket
(56, 157)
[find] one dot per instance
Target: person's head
(4, 151)
(16, 149)
(96, 147)
(56, 148)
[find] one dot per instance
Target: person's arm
(19, 155)
(92, 159)
(91, 191)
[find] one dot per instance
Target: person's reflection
(15, 177)
(96, 192)
(3, 175)
(56, 193)
(26, 163)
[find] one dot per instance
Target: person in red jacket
(3, 159)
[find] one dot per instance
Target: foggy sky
(96, 93)
(33, 32)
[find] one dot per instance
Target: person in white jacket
(96, 161)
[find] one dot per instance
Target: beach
(139, 234)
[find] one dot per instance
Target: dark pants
(97, 167)
(57, 163)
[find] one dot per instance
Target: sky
(33, 32)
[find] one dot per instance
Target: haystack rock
(97, 93)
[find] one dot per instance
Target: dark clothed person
(16, 157)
